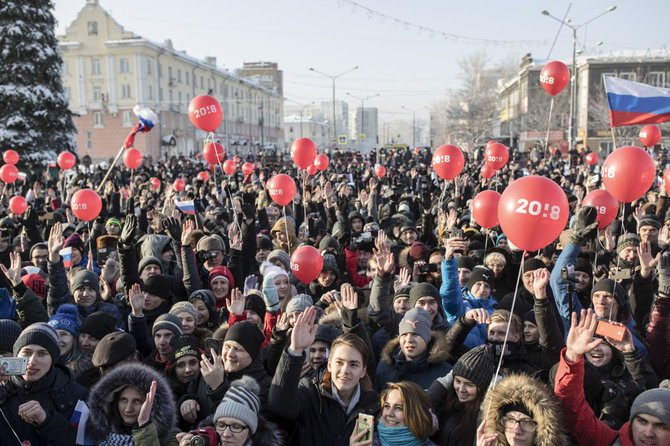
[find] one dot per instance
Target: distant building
(317, 130)
(365, 128)
(107, 70)
(265, 74)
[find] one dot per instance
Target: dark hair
(465, 431)
(354, 341)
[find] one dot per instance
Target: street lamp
(586, 51)
(333, 77)
(413, 121)
(363, 109)
(573, 87)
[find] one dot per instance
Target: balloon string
(235, 219)
(551, 108)
(618, 259)
(304, 200)
(288, 239)
(509, 324)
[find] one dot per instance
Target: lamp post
(333, 78)
(413, 121)
(363, 109)
(573, 84)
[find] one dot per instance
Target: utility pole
(333, 78)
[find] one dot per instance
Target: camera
(205, 436)
(428, 268)
(207, 255)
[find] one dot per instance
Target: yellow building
(107, 70)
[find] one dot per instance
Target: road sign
(361, 136)
(342, 140)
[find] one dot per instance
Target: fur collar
(437, 349)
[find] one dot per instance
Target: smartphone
(428, 268)
(14, 366)
(46, 216)
(623, 274)
(365, 422)
(616, 332)
(212, 343)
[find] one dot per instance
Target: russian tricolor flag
(187, 207)
(66, 253)
(22, 176)
(633, 103)
(78, 420)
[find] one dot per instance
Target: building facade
(107, 70)
(318, 130)
(365, 128)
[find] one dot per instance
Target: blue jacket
(456, 302)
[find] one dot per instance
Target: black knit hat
(206, 296)
(328, 242)
(9, 333)
(422, 290)
(610, 285)
(532, 264)
(167, 321)
(466, 262)
(158, 286)
(86, 278)
(403, 291)
(184, 345)
(42, 334)
(649, 220)
(248, 335)
(584, 266)
(113, 348)
(263, 242)
(149, 260)
(98, 324)
(476, 365)
(325, 333)
(481, 274)
(254, 302)
(626, 240)
(330, 264)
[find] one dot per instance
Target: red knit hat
(221, 271)
(36, 283)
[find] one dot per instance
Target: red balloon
(380, 171)
(9, 173)
(321, 162)
(312, 169)
(650, 135)
(18, 204)
(605, 204)
(448, 162)
(247, 168)
(155, 182)
(86, 204)
(10, 157)
(628, 173)
(214, 153)
(203, 176)
(132, 158)
(487, 171)
(303, 152)
(533, 211)
(282, 189)
(205, 113)
(178, 185)
(306, 263)
(592, 159)
(66, 160)
(229, 167)
(554, 77)
(496, 155)
(485, 208)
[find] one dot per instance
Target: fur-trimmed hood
(437, 352)
(267, 433)
(537, 398)
(100, 400)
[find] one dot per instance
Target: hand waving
(304, 331)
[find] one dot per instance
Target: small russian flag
(22, 176)
(350, 177)
(187, 207)
(78, 420)
(52, 165)
(66, 253)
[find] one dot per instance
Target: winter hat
(75, 242)
(66, 318)
(584, 266)
(299, 303)
(532, 264)
(418, 251)
(655, 402)
(466, 262)
(481, 274)
(211, 243)
(330, 264)
(254, 301)
(649, 220)
(184, 307)
(149, 260)
(325, 333)
(248, 335)
(184, 345)
(42, 334)
(9, 333)
(263, 242)
(36, 283)
(113, 221)
(241, 403)
(328, 242)
(609, 285)
(169, 322)
(417, 321)
(158, 286)
(86, 278)
(529, 316)
(408, 227)
(221, 271)
(476, 365)
(98, 324)
(40, 245)
(206, 296)
(113, 348)
(282, 256)
(626, 240)
(421, 290)
(402, 292)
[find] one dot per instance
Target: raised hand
(136, 299)
(250, 283)
(128, 231)
(540, 280)
(580, 337)
(234, 237)
(484, 439)
(282, 323)
(304, 331)
(14, 272)
(235, 304)
(403, 279)
(647, 261)
(55, 242)
(145, 410)
(187, 231)
(479, 315)
(349, 297)
(212, 372)
(385, 260)
(453, 244)
(173, 228)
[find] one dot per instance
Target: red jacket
(658, 338)
(583, 423)
(351, 261)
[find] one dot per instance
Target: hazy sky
(408, 66)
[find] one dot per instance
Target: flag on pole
(187, 207)
(66, 253)
(52, 165)
(634, 103)
(22, 176)
(78, 420)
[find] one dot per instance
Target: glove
(173, 228)
(663, 270)
(250, 283)
(128, 232)
(130, 205)
(249, 205)
(585, 226)
(270, 296)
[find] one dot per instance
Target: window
(209, 84)
(127, 118)
(66, 69)
(179, 98)
(188, 78)
(160, 94)
(97, 119)
(124, 65)
(149, 64)
(603, 76)
(162, 119)
(171, 97)
(202, 82)
(628, 76)
(125, 91)
(179, 76)
(160, 70)
(181, 121)
(151, 91)
(656, 78)
(170, 74)
(95, 66)
(92, 28)
(97, 93)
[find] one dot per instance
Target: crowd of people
(175, 328)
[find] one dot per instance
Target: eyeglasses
(234, 428)
(526, 425)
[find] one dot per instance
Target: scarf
(114, 439)
(397, 436)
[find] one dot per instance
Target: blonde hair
(416, 408)
(506, 317)
(494, 256)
